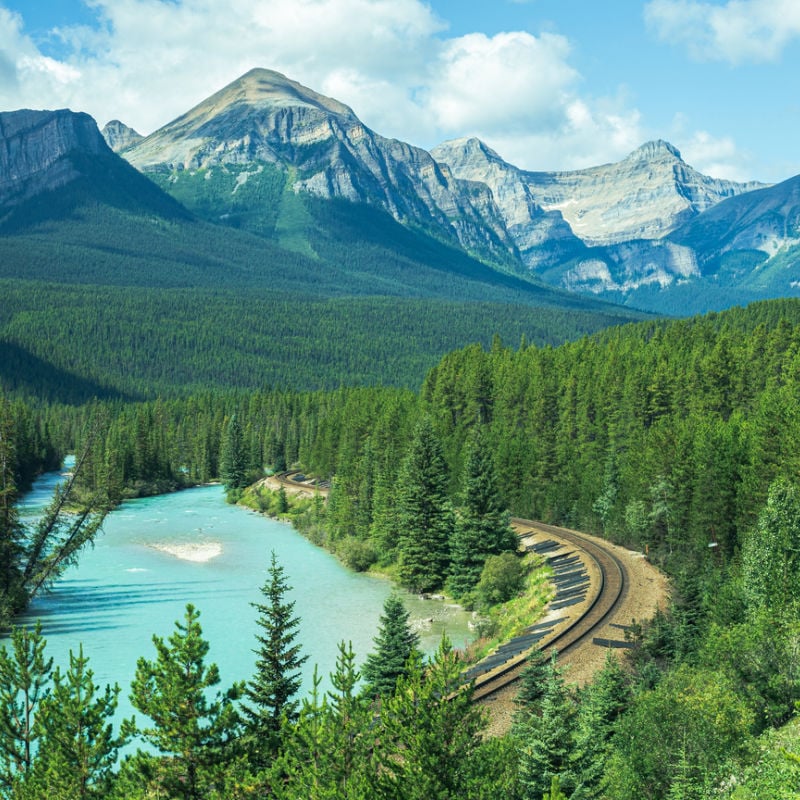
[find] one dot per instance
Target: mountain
(746, 238)
(649, 231)
(291, 171)
(644, 196)
(36, 145)
(268, 155)
(119, 136)
(265, 122)
(111, 285)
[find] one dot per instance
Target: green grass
(507, 620)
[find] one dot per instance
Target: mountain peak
(655, 149)
(244, 121)
(262, 88)
(118, 135)
(466, 150)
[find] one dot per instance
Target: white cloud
(147, 61)
(717, 157)
(511, 81)
(738, 31)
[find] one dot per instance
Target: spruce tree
(394, 646)
(329, 751)
(12, 594)
(270, 694)
(192, 729)
(232, 457)
(547, 739)
(602, 702)
(24, 683)
(771, 553)
(532, 683)
(425, 515)
(77, 748)
(483, 526)
(430, 732)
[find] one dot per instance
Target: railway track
(566, 634)
(604, 594)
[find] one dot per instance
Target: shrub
(503, 577)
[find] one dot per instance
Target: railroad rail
(586, 574)
(573, 586)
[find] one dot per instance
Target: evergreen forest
(666, 436)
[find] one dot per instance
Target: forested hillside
(666, 436)
(122, 292)
(71, 343)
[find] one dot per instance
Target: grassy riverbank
(495, 624)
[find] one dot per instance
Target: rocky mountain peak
(119, 136)
(253, 118)
(644, 196)
(464, 149)
(35, 148)
(655, 150)
(265, 87)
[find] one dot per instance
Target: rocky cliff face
(119, 136)
(600, 230)
(35, 148)
(267, 117)
(645, 196)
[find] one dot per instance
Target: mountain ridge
(632, 232)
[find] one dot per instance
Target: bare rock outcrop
(35, 147)
(119, 136)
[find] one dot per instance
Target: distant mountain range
(112, 286)
(634, 232)
(270, 157)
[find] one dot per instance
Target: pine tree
(232, 457)
(77, 748)
(555, 792)
(394, 646)
(546, 739)
(602, 702)
(24, 683)
(430, 732)
(483, 524)
(12, 594)
(351, 716)
(173, 692)
(771, 553)
(532, 683)
(424, 513)
(270, 694)
(329, 751)
(55, 542)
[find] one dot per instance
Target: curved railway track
(611, 588)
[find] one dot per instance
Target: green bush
(503, 577)
(356, 554)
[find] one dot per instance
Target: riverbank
(301, 499)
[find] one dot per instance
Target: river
(157, 554)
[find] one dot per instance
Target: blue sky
(550, 84)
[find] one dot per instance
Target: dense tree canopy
(666, 436)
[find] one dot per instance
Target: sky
(549, 84)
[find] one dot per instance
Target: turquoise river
(157, 554)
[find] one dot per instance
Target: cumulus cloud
(715, 156)
(737, 32)
(147, 61)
